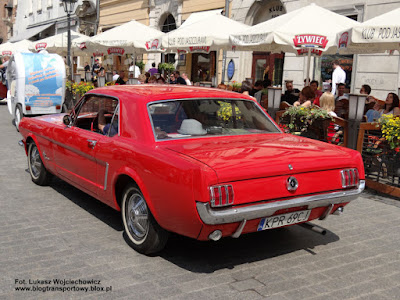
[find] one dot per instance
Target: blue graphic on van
(43, 81)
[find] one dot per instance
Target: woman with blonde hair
(327, 102)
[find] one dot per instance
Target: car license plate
(284, 220)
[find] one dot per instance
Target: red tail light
(350, 178)
(58, 106)
(27, 107)
(221, 195)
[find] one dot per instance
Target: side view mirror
(67, 120)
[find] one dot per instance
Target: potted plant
(390, 128)
(311, 122)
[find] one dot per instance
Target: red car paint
(175, 174)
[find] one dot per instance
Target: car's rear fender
(126, 171)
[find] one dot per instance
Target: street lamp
(69, 8)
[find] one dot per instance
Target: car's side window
(96, 114)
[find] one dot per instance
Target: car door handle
(91, 143)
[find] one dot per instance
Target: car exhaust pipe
(339, 211)
(313, 227)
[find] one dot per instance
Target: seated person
(373, 113)
(120, 79)
(105, 127)
(291, 95)
(390, 107)
(306, 97)
(340, 92)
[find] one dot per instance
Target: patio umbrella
(56, 44)
(9, 48)
(373, 36)
(308, 30)
(204, 35)
(131, 37)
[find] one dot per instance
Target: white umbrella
(373, 36)
(131, 37)
(308, 30)
(57, 43)
(10, 48)
(204, 35)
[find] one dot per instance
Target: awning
(197, 16)
(30, 32)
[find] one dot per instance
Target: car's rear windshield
(208, 117)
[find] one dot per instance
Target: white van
(36, 84)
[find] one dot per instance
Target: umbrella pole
(308, 66)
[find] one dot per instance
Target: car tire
(18, 115)
(142, 231)
(39, 173)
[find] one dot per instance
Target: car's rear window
(208, 117)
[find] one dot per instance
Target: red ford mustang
(199, 162)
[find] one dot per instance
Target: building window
(168, 25)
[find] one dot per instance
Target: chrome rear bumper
(212, 216)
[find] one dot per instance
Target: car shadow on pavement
(101, 211)
(208, 257)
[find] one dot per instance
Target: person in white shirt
(115, 75)
(338, 75)
(184, 76)
(135, 69)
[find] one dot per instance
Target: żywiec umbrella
(57, 43)
(308, 30)
(205, 35)
(131, 37)
(10, 48)
(372, 36)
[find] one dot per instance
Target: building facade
(38, 19)
(7, 16)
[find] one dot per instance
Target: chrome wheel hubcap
(36, 163)
(137, 216)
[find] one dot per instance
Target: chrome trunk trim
(105, 177)
(212, 216)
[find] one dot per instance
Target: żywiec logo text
(343, 40)
(199, 49)
(40, 46)
(115, 50)
(313, 40)
(152, 45)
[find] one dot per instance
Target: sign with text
(199, 49)
(310, 40)
(116, 50)
(43, 80)
(40, 46)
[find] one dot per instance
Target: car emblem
(290, 167)
(292, 184)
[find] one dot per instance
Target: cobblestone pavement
(58, 232)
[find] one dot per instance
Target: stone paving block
(248, 295)
(300, 293)
(247, 284)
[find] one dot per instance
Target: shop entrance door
(262, 60)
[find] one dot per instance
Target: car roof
(153, 92)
